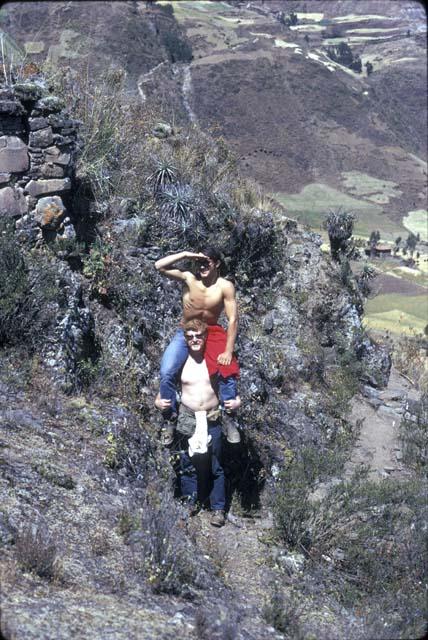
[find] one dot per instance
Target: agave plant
(367, 274)
(180, 204)
(164, 174)
(339, 227)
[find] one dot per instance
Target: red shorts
(215, 345)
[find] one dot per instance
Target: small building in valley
(379, 250)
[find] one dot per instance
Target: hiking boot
(218, 519)
(191, 508)
(167, 434)
(230, 429)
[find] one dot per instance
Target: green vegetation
(339, 225)
(167, 562)
(179, 50)
(368, 537)
(410, 359)
(397, 313)
(417, 222)
(414, 436)
(29, 293)
(312, 204)
(342, 54)
(371, 188)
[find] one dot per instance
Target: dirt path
(238, 549)
(239, 553)
(377, 444)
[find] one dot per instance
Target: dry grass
(36, 551)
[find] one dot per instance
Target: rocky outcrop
(39, 143)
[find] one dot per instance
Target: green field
(397, 313)
(312, 205)
(417, 222)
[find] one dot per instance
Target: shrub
(36, 550)
(409, 356)
(370, 534)
(13, 288)
(169, 563)
(164, 174)
(414, 437)
(339, 227)
(29, 293)
(179, 50)
(181, 207)
(218, 624)
(112, 131)
(281, 614)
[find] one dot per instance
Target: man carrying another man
(205, 296)
(199, 424)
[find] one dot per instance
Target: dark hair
(215, 254)
(211, 252)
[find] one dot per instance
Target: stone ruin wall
(39, 144)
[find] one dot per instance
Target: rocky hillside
(102, 173)
(93, 542)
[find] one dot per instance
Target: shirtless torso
(205, 295)
(197, 392)
(203, 302)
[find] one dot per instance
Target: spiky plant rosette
(182, 207)
(164, 174)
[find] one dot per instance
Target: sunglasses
(194, 336)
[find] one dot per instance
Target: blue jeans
(173, 359)
(202, 475)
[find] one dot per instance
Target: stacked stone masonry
(39, 144)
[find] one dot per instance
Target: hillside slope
(312, 131)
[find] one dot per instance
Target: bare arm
(233, 404)
(166, 265)
(231, 311)
(162, 404)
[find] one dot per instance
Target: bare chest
(204, 298)
(194, 373)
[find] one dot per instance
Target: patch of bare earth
(379, 416)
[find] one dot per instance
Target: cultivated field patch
(397, 313)
(316, 17)
(370, 188)
(307, 27)
(361, 18)
(284, 45)
(237, 22)
(312, 205)
(370, 30)
(355, 39)
(393, 282)
(417, 222)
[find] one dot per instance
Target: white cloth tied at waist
(200, 440)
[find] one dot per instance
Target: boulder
(50, 170)
(49, 212)
(37, 123)
(49, 104)
(13, 155)
(41, 138)
(11, 108)
(4, 178)
(162, 130)
(41, 187)
(12, 202)
(53, 154)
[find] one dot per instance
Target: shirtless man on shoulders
(205, 296)
(199, 424)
